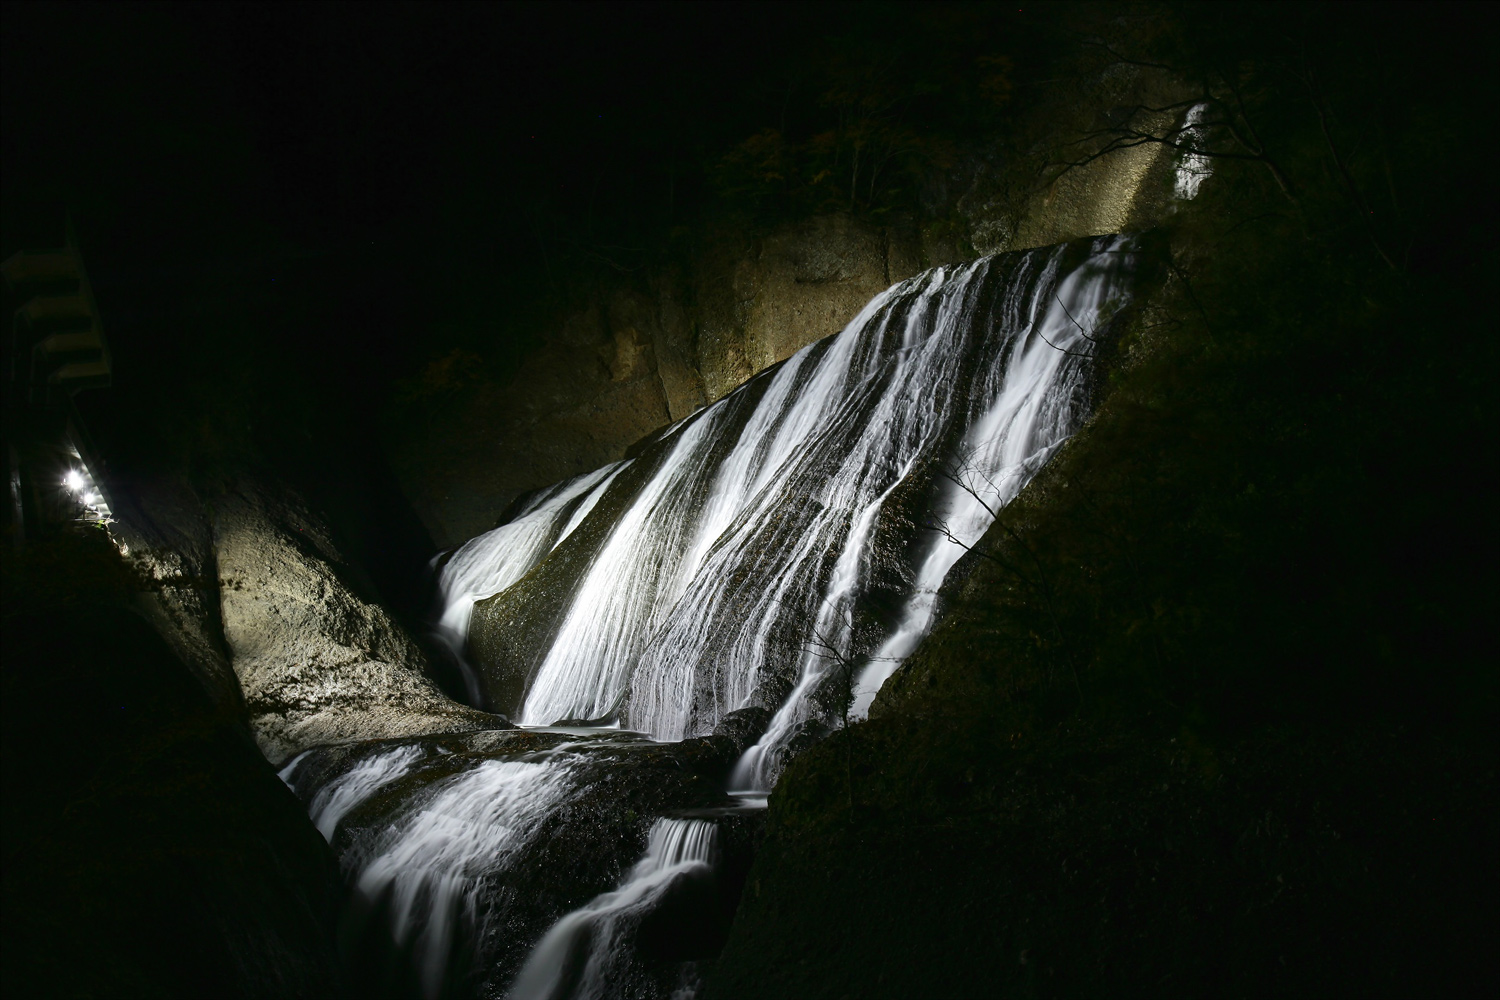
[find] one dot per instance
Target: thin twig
(1081, 330)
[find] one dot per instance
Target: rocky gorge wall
(638, 351)
(153, 852)
(248, 588)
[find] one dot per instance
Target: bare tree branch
(1086, 335)
(962, 473)
(1072, 354)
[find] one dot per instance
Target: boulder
(316, 662)
(744, 727)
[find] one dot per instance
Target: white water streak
(428, 865)
(741, 561)
(659, 545)
(1193, 168)
(580, 957)
(1028, 420)
(1027, 412)
(842, 390)
(335, 799)
(629, 582)
(488, 563)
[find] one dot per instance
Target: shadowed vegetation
(1209, 710)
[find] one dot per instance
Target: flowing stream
(780, 551)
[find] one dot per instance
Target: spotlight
(73, 480)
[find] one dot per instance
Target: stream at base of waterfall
(710, 607)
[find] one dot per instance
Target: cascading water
(429, 865)
(369, 776)
(737, 569)
(439, 835)
(497, 559)
(1193, 167)
(780, 550)
(583, 955)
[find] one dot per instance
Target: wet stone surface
(459, 851)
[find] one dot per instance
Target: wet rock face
(316, 662)
(567, 815)
(628, 358)
(164, 533)
(744, 727)
(641, 355)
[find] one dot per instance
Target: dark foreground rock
(1092, 861)
(150, 851)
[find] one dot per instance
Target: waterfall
(1193, 167)
(740, 570)
(582, 956)
(782, 548)
(428, 868)
(422, 877)
(461, 850)
(496, 559)
(342, 794)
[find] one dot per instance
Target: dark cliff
(150, 850)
